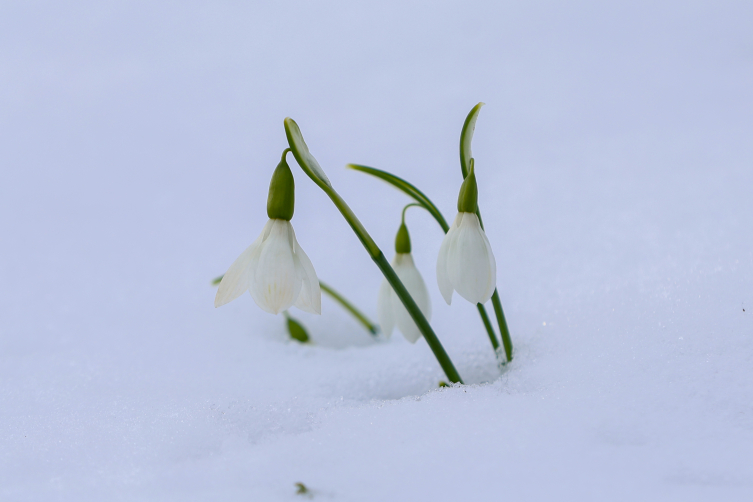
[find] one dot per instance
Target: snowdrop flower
(274, 269)
(390, 309)
(466, 263)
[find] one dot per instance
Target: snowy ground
(614, 158)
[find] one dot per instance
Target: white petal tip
(448, 298)
(220, 301)
(412, 338)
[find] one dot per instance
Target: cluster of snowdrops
(279, 275)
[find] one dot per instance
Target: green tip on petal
(281, 199)
(402, 240)
(468, 197)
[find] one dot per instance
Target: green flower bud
(402, 240)
(281, 199)
(468, 197)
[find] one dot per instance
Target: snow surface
(614, 163)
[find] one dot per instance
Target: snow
(614, 167)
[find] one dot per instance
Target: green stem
(413, 204)
(314, 171)
(506, 340)
(499, 313)
(373, 328)
(488, 326)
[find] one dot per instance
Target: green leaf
(407, 188)
(217, 280)
(296, 329)
(466, 137)
(344, 303)
(302, 154)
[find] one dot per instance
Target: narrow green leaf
(466, 137)
(407, 188)
(217, 280)
(360, 316)
(303, 156)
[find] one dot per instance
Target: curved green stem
(373, 328)
(413, 204)
(311, 167)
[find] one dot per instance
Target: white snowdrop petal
(492, 266)
(276, 284)
(468, 262)
(454, 265)
(238, 277)
(384, 309)
(404, 321)
(310, 297)
(414, 283)
(443, 279)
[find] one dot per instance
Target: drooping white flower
(466, 263)
(276, 271)
(390, 309)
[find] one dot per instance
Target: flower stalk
(311, 167)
